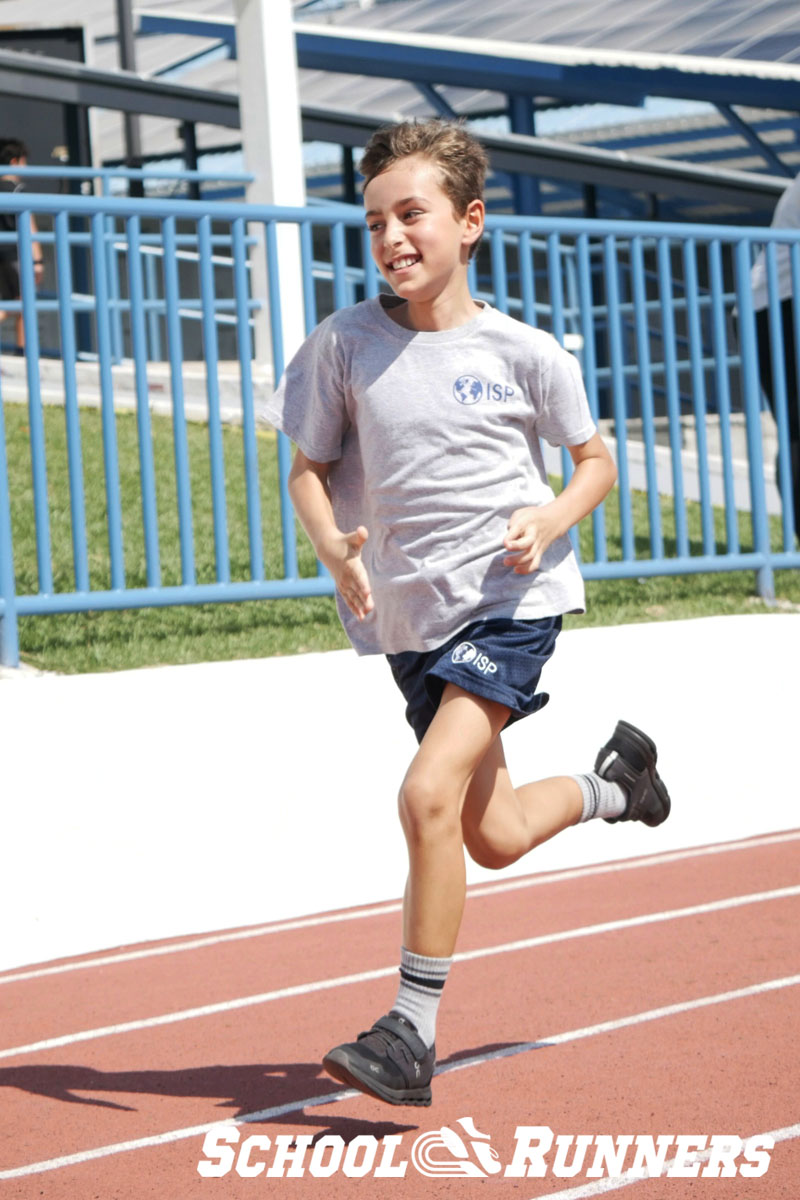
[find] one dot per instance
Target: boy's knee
(426, 809)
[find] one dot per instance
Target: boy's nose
(393, 233)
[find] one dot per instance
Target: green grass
(102, 641)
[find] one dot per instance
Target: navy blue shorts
(499, 659)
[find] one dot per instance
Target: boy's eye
(413, 212)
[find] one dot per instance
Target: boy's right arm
(339, 552)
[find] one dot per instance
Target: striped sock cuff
(601, 798)
(421, 982)
(430, 973)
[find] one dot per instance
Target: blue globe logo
(467, 389)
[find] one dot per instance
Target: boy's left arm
(531, 530)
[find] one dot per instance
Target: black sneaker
(629, 759)
(389, 1061)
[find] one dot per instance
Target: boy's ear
(474, 220)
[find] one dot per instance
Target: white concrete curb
(154, 803)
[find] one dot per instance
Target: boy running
(420, 482)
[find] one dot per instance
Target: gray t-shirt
(433, 441)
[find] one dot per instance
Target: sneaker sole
(341, 1067)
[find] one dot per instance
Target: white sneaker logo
(474, 1158)
(469, 655)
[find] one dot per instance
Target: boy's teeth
(403, 262)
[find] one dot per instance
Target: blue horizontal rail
(660, 317)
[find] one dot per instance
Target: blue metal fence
(660, 317)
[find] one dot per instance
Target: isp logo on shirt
(468, 389)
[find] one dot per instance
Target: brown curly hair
(461, 159)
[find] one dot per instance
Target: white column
(271, 135)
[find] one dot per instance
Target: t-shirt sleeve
(309, 403)
(564, 418)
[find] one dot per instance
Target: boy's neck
(434, 317)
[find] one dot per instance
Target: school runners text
(466, 1152)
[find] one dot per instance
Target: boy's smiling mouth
(400, 264)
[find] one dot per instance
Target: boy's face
(419, 243)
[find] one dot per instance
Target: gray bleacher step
(14, 386)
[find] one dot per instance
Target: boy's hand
(530, 532)
(344, 563)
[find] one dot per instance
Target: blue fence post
(499, 273)
(590, 374)
(250, 448)
(646, 396)
(35, 416)
(556, 290)
(147, 478)
(341, 297)
(723, 391)
(215, 448)
(151, 292)
(527, 283)
(765, 580)
(673, 396)
(290, 568)
(80, 556)
(110, 454)
(183, 485)
(112, 276)
(9, 632)
(618, 389)
(307, 266)
(698, 391)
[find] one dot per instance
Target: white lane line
(281, 1110)
(320, 985)
(378, 910)
(613, 1183)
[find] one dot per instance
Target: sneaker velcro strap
(406, 1034)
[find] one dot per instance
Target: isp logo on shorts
(469, 655)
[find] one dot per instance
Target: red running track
(653, 998)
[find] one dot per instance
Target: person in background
(786, 216)
(14, 153)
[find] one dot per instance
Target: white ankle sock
(601, 798)
(421, 983)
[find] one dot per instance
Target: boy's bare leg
(458, 791)
(430, 802)
(501, 823)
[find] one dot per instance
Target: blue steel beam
(773, 160)
(624, 78)
(559, 72)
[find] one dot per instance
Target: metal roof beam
(468, 66)
(202, 58)
(517, 154)
(36, 75)
(624, 77)
(753, 139)
(560, 72)
(437, 101)
(215, 28)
